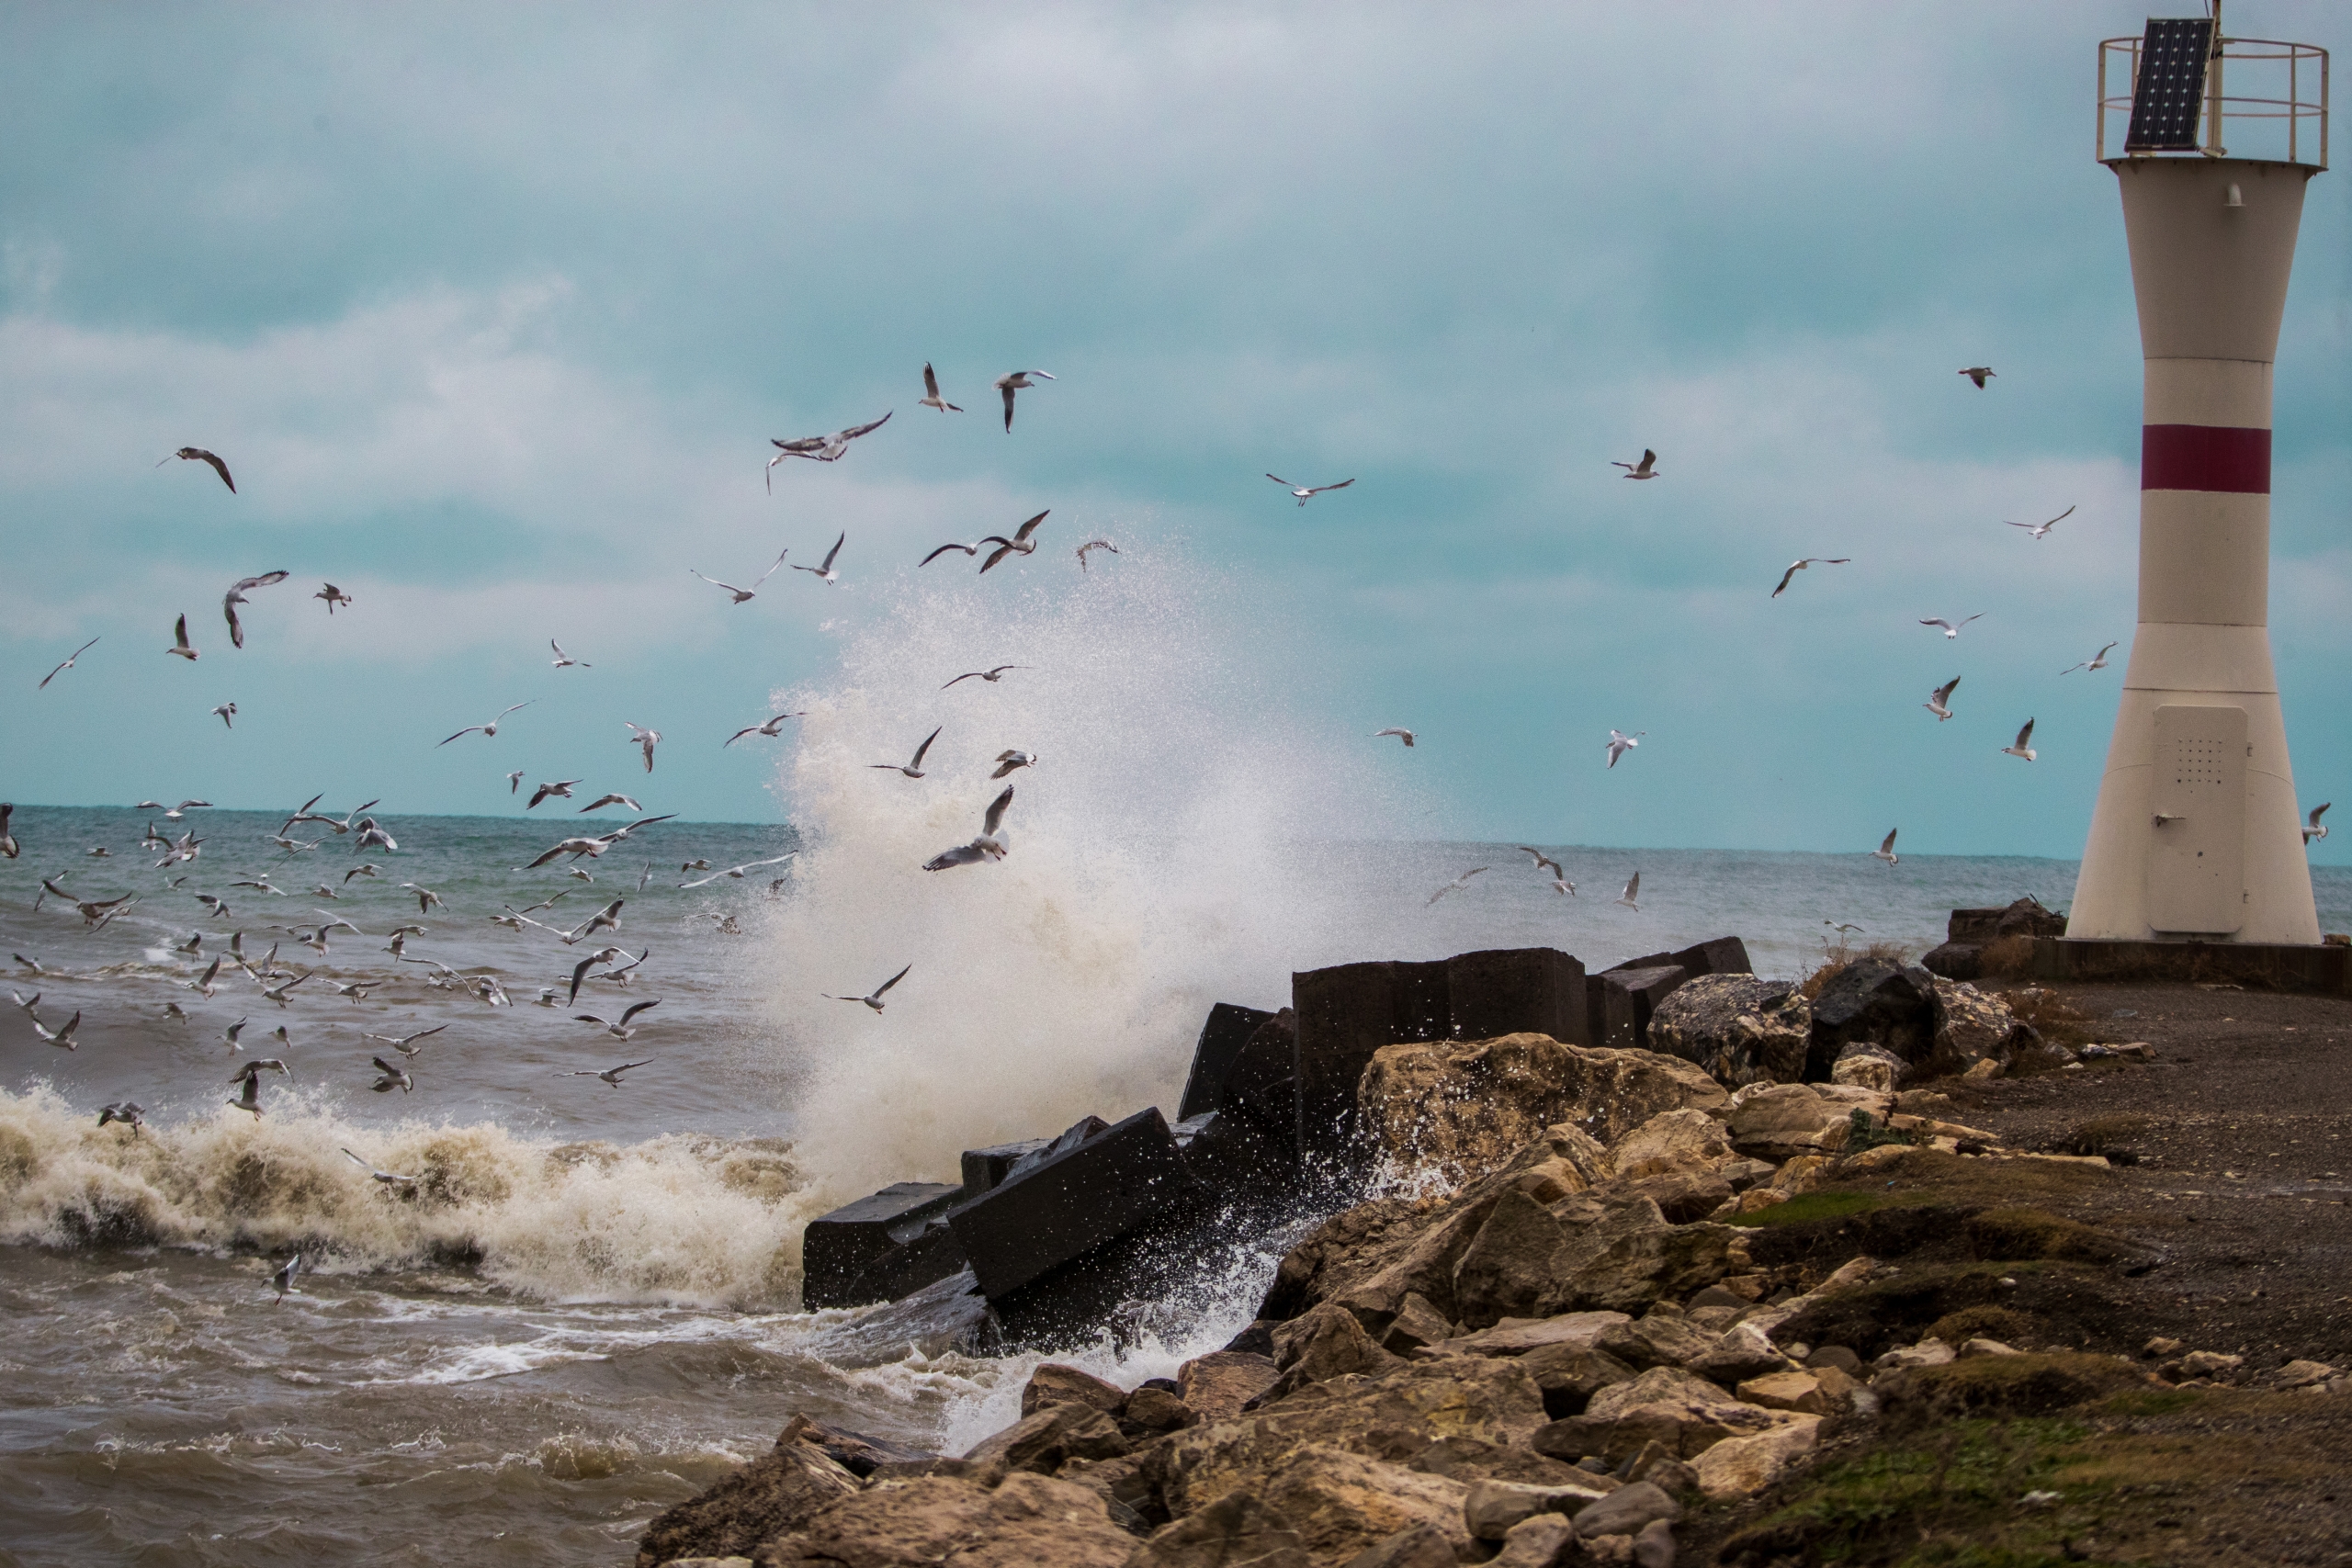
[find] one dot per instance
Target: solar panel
(2171, 88)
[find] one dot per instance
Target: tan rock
(1738, 1466)
(1929, 1352)
(1057, 1433)
(1538, 1542)
(1416, 1546)
(1417, 1324)
(1494, 1506)
(1801, 1392)
(1628, 1510)
(1634, 1257)
(1974, 1027)
(1680, 1411)
(1570, 1374)
(1780, 1122)
(1157, 1410)
(1465, 1108)
(1739, 1028)
(1218, 1384)
(1053, 1384)
(2210, 1364)
(1029, 1521)
(1340, 1503)
(1744, 1350)
(1658, 1339)
(1670, 1141)
(775, 1492)
(1519, 1336)
(1328, 1342)
(1973, 1347)
(1864, 1072)
(1238, 1530)
(1512, 1267)
(1800, 1174)
(2302, 1374)
(708, 1562)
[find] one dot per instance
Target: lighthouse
(2197, 835)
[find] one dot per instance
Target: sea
(586, 1308)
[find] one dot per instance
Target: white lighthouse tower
(2197, 832)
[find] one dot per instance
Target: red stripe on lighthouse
(2229, 457)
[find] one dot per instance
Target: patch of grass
(2054, 1017)
(2026, 1385)
(1999, 1323)
(2153, 1401)
(1810, 1206)
(2030, 1233)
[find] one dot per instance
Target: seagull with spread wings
(1951, 628)
(1016, 381)
(822, 448)
(558, 788)
(613, 1075)
(1620, 743)
(1939, 699)
(739, 595)
(181, 647)
(2042, 530)
(1094, 545)
(735, 872)
(2312, 828)
(1306, 492)
(1809, 560)
(1885, 851)
(874, 997)
(1021, 543)
(1644, 470)
(772, 728)
(388, 1179)
(67, 665)
(491, 727)
(563, 660)
(1979, 374)
(645, 740)
(2096, 662)
(623, 1028)
(992, 844)
(2022, 747)
(1632, 891)
(825, 573)
(237, 596)
(334, 596)
(912, 769)
(931, 397)
(198, 454)
(990, 676)
(1459, 882)
(1401, 734)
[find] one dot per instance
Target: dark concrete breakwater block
(838, 1248)
(1223, 1038)
(1619, 999)
(1059, 1210)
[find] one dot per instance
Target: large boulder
(1740, 1029)
(1046, 1440)
(1783, 1122)
(1528, 1260)
(1681, 1412)
(1328, 1342)
(777, 1492)
(1877, 1001)
(1974, 1026)
(1029, 1521)
(1238, 1530)
(1740, 1465)
(1219, 1384)
(1670, 1142)
(1340, 1503)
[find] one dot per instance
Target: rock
(1512, 1267)
(1328, 1342)
(1235, 1531)
(1970, 1348)
(1042, 1443)
(1633, 1257)
(1836, 1356)
(1694, 1192)
(1892, 1005)
(1654, 1547)
(854, 1451)
(1680, 1411)
(1029, 1521)
(708, 1562)
(1659, 1339)
(1974, 1027)
(1626, 1510)
(1955, 961)
(1231, 1157)
(1417, 1324)
(1523, 990)
(1740, 1029)
(2160, 1346)
(2024, 917)
(1739, 1466)
(1868, 1066)
(1569, 1375)
(1341, 1503)
(1494, 1506)
(2302, 1374)
(1463, 1108)
(1089, 1192)
(1053, 1384)
(1670, 1142)
(1218, 1384)
(1538, 1542)
(1344, 1015)
(1811, 1392)
(1389, 1418)
(1226, 1030)
(1742, 1353)
(1157, 1410)
(1523, 1336)
(1925, 1353)
(838, 1246)
(1620, 1003)
(1614, 1256)
(2210, 1364)
(1416, 1546)
(1782, 1122)
(775, 1492)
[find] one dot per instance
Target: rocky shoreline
(1770, 1286)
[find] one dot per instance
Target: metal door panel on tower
(2197, 874)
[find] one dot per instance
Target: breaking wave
(678, 1219)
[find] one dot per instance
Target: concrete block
(1228, 1029)
(986, 1168)
(838, 1246)
(1719, 956)
(1516, 990)
(1231, 1157)
(930, 1256)
(1619, 1002)
(1056, 1211)
(1344, 1014)
(1262, 1085)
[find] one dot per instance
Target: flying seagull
(1939, 699)
(1809, 560)
(390, 1078)
(735, 872)
(198, 454)
(1885, 850)
(1542, 860)
(2096, 662)
(2040, 529)
(127, 1111)
(237, 596)
(385, 1177)
(825, 572)
(1020, 544)
(563, 660)
(2312, 830)
(1017, 381)
(1644, 470)
(1952, 628)
(604, 800)
(913, 770)
(67, 665)
(1094, 545)
(1979, 374)
(990, 676)
(226, 714)
(741, 595)
(560, 787)
(2022, 747)
(773, 727)
(180, 644)
(1305, 491)
(622, 1029)
(1620, 743)
(515, 781)
(580, 970)
(931, 397)
(491, 727)
(644, 739)
(1404, 735)
(284, 1278)
(8, 845)
(1009, 762)
(1633, 891)
(821, 448)
(875, 999)
(1461, 881)
(64, 1036)
(990, 845)
(613, 1075)
(333, 595)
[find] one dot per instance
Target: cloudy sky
(492, 310)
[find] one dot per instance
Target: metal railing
(2267, 126)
